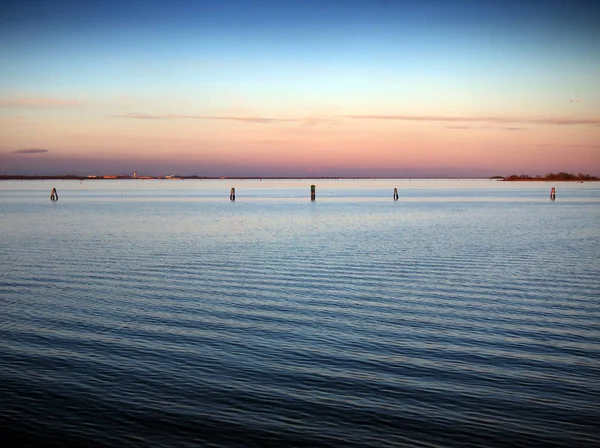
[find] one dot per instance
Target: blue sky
(85, 62)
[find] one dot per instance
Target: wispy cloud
(38, 103)
(568, 146)
(140, 116)
(30, 151)
(315, 120)
(12, 118)
(243, 119)
(478, 119)
(248, 119)
(565, 121)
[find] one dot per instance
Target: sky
(300, 88)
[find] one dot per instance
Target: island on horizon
(556, 177)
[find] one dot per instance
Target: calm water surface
(160, 314)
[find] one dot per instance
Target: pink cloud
(38, 103)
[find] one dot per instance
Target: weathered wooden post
(232, 195)
(395, 194)
(54, 195)
(553, 194)
(312, 192)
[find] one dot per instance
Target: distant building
(135, 174)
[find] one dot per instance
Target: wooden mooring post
(395, 194)
(313, 193)
(54, 195)
(232, 194)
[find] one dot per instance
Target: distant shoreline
(105, 178)
(550, 180)
(552, 177)
(68, 177)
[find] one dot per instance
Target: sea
(159, 313)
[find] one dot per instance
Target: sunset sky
(299, 88)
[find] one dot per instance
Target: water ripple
(168, 320)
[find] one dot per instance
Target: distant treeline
(554, 177)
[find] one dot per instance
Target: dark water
(160, 314)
